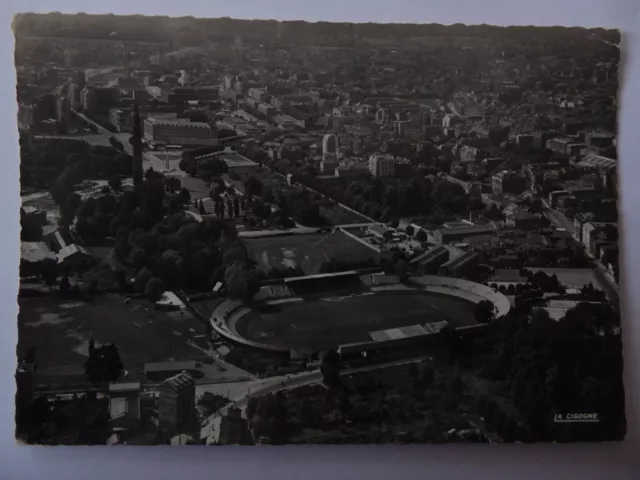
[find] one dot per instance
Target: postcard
(250, 232)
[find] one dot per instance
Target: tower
(136, 142)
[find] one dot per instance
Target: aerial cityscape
(251, 232)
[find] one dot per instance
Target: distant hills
(189, 30)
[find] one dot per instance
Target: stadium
(352, 311)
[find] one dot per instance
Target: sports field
(61, 329)
(330, 322)
(308, 252)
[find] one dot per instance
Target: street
(242, 392)
(607, 281)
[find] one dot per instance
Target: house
(378, 230)
(177, 405)
(460, 266)
(59, 239)
(74, 257)
(32, 254)
(455, 233)
(430, 261)
(124, 404)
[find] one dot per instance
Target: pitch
(333, 321)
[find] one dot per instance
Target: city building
(87, 99)
(124, 404)
(431, 261)
(471, 188)
(598, 162)
(80, 79)
(329, 146)
(506, 182)
(203, 93)
(382, 165)
(177, 404)
(579, 221)
(351, 171)
(457, 233)
(74, 95)
(460, 266)
(179, 132)
(126, 84)
(184, 78)
(469, 154)
(522, 220)
(121, 119)
(236, 163)
(328, 165)
(403, 168)
(75, 258)
(524, 140)
(590, 231)
(63, 112)
(26, 117)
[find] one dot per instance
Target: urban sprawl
(253, 232)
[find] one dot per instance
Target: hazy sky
(497, 12)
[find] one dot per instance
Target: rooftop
(35, 251)
(467, 229)
(180, 381)
(176, 121)
(69, 250)
(234, 159)
(124, 387)
(598, 161)
(407, 332)
(170, 366)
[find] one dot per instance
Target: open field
(60, 330)
(308, 252)
(336, 215)
(330, 322)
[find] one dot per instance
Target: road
(349, 209)
(558, 219)
(156, 160)
(607, 281)
(243, 392)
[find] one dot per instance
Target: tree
(136, 257)
(65, 285)
(201, 209)
(409, 230)
(253, 186)
(185, 196)
(115, 183)
(456, 385)
(426, 375)
(229, 207)
(92, 288)
(421, 236)
(172, 183)
(154, 289)
(103, 364)
(49, 272)
(236, 206)
(330, 369)
(240, 281)
(386, 215)
(141, 279)
(484, 311)
(402, 270)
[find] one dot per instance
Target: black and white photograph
(261, 232)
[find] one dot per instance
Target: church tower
(136, 142)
